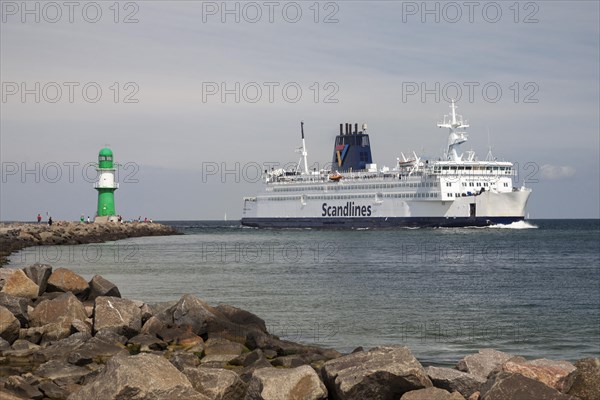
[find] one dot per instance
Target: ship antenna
(304, 152)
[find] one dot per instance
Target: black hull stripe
(379, 222)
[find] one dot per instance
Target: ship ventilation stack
(352, 149)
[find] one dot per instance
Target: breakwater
(66, 337)
(16, 236)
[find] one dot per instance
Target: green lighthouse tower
(106, 184)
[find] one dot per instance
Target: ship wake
(515, 225)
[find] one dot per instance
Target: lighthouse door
(472, 210)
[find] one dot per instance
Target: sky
(195, 98)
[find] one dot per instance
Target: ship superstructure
(455, 190)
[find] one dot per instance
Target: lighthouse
(106, 186)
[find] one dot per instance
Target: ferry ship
(456, 190)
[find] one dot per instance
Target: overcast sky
(196, 95)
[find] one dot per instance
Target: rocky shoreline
(63, 337)
(16, 236)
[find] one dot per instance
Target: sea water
(530, 288)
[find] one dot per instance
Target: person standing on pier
(39, 218)
(49, 221)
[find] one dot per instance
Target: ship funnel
(352, 149)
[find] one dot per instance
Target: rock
(247, 372)
(39, 274)
(247, 359)
(556, 374)
(221, 350)
(19, 285)
(454, 381)
(17, 306)
(431, 393)
(9, 325)
(182, 361)
(21, 344)
(242, 317)
(152, 326)
(4, 345)
(147, 343)
(52, 390)
(60, 370)
(141, 377)
(61, 349)
(110, 336)
(81, 326)
(482, 363)
(504, 386)
(216, 383)
(162, 311)
(193, 312)
(95, 350)
(381, 373)
(102, 287)
(474, 396)
(18, 386)
(283, 384)
(292, 361)
(586, 385)
(181, 336)
(65, 307)
(119, 315)
(64, 280)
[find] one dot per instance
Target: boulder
(248, 358)
(454, 381)
(39, 274)
(95, 350)
(193, 312)
(556, 374)
(147, 343)
(181, 336)
(431, 393)
(102, 287)
(20, 387)
(9, 325)
(482, 363)
(152, 326)
(283, 384)
(121, 316)
(504, 385)
(216, 383)
(183, 360)
(16, 283)
(17, 306)
(61, 349)
(242, 317)
(141, 377)
(292, 361)
(52, 390)
(60, 370)
(586, 385)
(64, 280)
(381, 373)
(64, 307)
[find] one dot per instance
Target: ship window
(464, 183)
(470, 183)
(445, 168)
(448, 184)
(364, 141)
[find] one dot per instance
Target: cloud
(553, 172)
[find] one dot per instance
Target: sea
(531, 288)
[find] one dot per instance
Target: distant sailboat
(225, 217)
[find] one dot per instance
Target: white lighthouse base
(106, 219)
